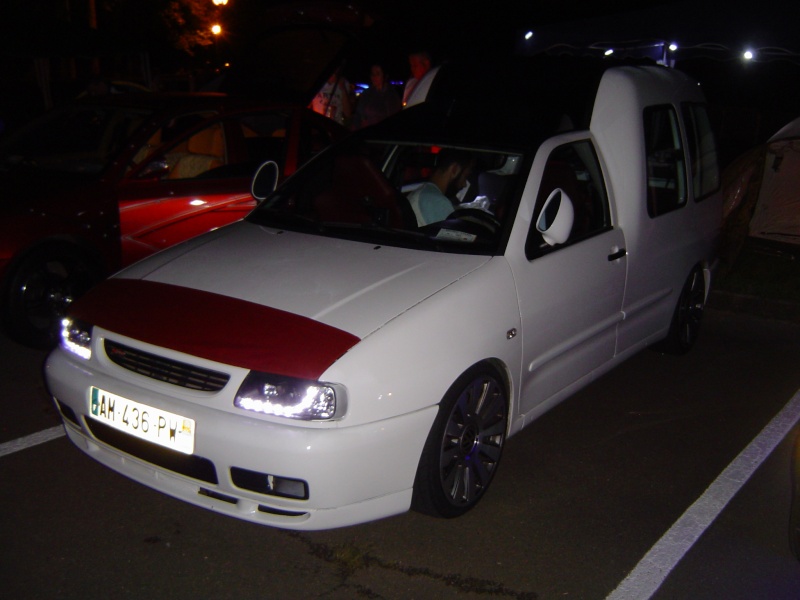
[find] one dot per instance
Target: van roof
(513, 105)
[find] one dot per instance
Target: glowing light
(76, 338)
(529, 35)
(673, 47)
(216, 29)
(219, 2)
(318, 402)
(748, 55)
(608, 52)
(197, 202)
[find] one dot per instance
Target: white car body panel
(547, 323)
(373, 425)
(388, 281)
(662, 251)
(322, 456)
(571, 304)
(465, 323)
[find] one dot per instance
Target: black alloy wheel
(685, 326)
(463, 449)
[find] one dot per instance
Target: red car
(96, 185)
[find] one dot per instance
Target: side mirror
(556, 219)
(265, 180)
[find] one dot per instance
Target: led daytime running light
(286, 397)
(76, 337)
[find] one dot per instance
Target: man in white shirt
(420, 64)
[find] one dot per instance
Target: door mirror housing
(265, 180)
(556, 219)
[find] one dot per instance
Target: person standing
(333, 99)
(377, 102)
(419, 63)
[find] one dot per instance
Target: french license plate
(145, 422)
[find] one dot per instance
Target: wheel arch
(428, 497)
(508, 383)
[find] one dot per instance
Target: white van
(371, 335)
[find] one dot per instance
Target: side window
(169, 133)
(702, 150)
(201, 152)
(666, 169)
(575, 170)
(264, 136)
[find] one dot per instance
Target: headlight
(287, 397)
(76, 337)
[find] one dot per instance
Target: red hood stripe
(215, 327)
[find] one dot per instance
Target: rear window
(702, 150)
(666, 166)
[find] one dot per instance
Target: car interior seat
(205, 151)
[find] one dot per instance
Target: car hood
(353, 286)
(266, 299)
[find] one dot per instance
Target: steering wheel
(478, 217)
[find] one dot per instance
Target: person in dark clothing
(377, 102)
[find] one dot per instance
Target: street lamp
(216, 29)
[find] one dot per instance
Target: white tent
(762, 192)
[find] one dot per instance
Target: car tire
(684, 328)
(39, 290)
(463, 449)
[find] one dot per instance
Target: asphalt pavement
(582, 497)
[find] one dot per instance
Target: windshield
(75, 139)
(444, 198)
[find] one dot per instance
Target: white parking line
(662, 558)
(40, 437)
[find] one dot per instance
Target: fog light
(271, 485)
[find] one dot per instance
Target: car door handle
(617, 255)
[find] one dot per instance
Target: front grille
(189, 465)
(165, 369)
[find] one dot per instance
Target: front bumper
(352, 474)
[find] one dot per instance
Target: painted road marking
(658, 563)
(34, 439)
(653, 569)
